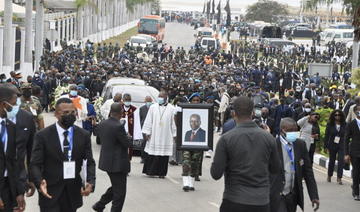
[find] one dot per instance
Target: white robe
(162, 132)
(137, 134)
(105, 108)
(81, 114)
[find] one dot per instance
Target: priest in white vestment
(160, 130)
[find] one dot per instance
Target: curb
(323, 161)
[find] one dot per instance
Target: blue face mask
(127, 104)
(14, 111)
(161, 101)
(73, 93)
(292, 136)
(148, 104)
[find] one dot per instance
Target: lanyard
(289, 150)
(71, 136)
(162, 114)
(4, 138)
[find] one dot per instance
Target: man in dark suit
(196, 134)
(56, 161)
(286, 186)
(281, 111)
(114, 159)
(352, 151)
(11, 186)
(348, 103)
(25, 131)
(267, 120)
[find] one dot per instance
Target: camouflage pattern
(191, 163)
(34, 107)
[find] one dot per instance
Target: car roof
(124, 81)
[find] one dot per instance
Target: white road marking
(214, 204)
(172, 180)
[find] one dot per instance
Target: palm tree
(351, 7)
(39, 32)
(28, 31)
(80, 5)
(8, 13)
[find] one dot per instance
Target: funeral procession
(179, 105)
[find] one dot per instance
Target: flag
(219, 13)
(213, 7)
(208, 8)
(204, 7)
(227, 9)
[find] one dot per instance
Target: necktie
(192, 136)
(2, 133)
(66, 144)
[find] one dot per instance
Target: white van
(204, 32)
(207, 42)
(340, 35)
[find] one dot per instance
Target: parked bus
(152, 25)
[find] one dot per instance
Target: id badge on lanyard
(69, 166)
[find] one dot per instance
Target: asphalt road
(145, 194)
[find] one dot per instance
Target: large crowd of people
(252, 86)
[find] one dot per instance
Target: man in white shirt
(105, 108)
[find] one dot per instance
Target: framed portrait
(195, 129)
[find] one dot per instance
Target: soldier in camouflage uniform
(192, 160)
(32, 104)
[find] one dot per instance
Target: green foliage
(351, 7)
(266, 10)
(130, 4)
(324, 118)
(355, 77)
(327, 83)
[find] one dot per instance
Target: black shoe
(197, 178)
(98, 208)
(186, 188)
(173, 163)
(357, 198)
(162, 177)
(191, 189)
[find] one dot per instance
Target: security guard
(32, 104)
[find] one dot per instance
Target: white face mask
(308, 110)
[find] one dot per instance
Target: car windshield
(348, 34)
(211, 43)
(138, 93)
(148, 26)
(138, 40)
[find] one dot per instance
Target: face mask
(292, 136)
(27, 93)
(308, 110)
(73, 93)
(264, 115)
(161, 101)
(36, 75)
(14, 110)
(257, 113)
(68, 120)
(127, 104)
(148, 104)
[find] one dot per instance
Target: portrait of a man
(196, 134)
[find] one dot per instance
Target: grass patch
(123, 37)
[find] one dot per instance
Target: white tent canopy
(17, 9)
